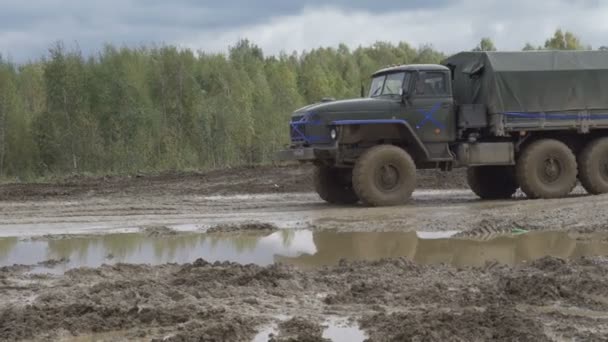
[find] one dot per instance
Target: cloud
(448, 28)
(28, 28)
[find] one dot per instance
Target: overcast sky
(28, 27)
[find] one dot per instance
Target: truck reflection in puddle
(296, 247)
(509, 250)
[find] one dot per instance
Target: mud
(216, 327)
(300, 329)
(493, 323)
(393, 300)
(253, 180)
(429, 211)
(155, 231)
(231, 199)
(247, 227)
(53, 262)
(446, 266)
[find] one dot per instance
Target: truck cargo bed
(583, 121)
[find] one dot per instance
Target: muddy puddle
(334, 329)
(303, 248)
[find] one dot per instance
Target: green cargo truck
(531, 120)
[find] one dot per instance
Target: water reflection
(6, 246)
(93, 251)
(297, 247)
(510, 250)
(336, 329)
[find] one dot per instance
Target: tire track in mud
(391, 300)
(429, 211)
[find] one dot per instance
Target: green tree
(8, 99)
(563, 41)
(120, 101)
(427, 54)
(486, 44)
(530, 47)
(285, 99)
(249, 58)
(157, 108)
(17, 150)
(66, 132)
(314, 82)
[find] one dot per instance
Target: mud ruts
(391, 300)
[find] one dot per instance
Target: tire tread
(586, 171)
(363, 172)
(525, 165)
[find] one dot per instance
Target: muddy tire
(492, 182)
(547, 169)
(593, 167)
(384, 175)
(334, 185)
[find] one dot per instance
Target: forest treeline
(126, 110)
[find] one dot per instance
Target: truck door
(430, 108)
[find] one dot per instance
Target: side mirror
(362, 90)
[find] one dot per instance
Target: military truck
(531, 120)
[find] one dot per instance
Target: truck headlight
(333, 134)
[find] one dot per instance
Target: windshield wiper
(375, 92)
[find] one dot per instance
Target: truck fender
(406, 134)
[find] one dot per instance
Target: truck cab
(409, 110)
(409, 106)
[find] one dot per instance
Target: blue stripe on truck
(369, 122)
(554, 116)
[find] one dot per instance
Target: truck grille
(298, 130)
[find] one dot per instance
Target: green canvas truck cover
(535, 81)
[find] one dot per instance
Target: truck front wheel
(593, 163)
(492, 182)
(547, 169)
(334, 185)
(384, 175)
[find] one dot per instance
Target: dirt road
(278, 196)
(444, 295)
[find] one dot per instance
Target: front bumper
(306, 154)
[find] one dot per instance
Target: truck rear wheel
(547, 169)
(384, 175)
(492, 182)
(334, 185)
(593, 164)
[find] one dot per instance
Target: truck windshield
(389, 84)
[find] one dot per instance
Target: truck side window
(431, 84)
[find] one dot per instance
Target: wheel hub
(387, 177)
(551, 170)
